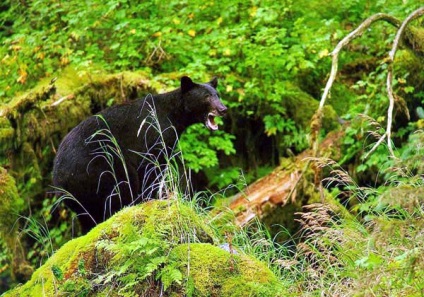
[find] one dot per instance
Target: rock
(158, 248)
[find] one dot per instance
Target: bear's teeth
(210, 122)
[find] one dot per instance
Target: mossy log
(32, 125)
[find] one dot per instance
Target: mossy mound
(212, 271)
(156, 248)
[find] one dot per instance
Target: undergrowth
(374, 249)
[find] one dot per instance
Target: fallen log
(287, 184)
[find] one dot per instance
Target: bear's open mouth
(210, 121)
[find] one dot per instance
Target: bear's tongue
(210, 122)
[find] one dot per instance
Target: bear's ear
(214, 82)
(186, 84)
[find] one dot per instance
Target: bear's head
(201, 102)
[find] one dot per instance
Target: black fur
(81, 164)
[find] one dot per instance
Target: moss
(6, 132)
(301, 107)
(102, 250)
(342, 98)
(211, 271)
(10, 204)
(415, 40)
(123, 254)
(51, 109)
(403, 197)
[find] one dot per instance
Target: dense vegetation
(272, 59)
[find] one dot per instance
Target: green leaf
(57, 272)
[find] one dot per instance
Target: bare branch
(334, 66)
(417, 13)
(358, 32)
(352, 35)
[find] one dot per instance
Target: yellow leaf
(227, 52)
(192, 33)
(323, 53)
(219, 21)
(176, 21)
(16, 47)
(5, 58)
(229, 88)
(241, 92)
(40, 56)
(132, 31)
(252, 11)
(23, 76)
(157, 34)
(64, 60)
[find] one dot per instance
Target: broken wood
(280, 187)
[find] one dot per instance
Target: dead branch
(417, 13)
(334, 66)
(358, 32)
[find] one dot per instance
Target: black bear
(115, 158)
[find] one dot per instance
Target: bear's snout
(222, 110)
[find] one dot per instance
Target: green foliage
(228, 176)
(138, 259)
(255, 47)
(276, 123)
(200, 146)
(170, 274)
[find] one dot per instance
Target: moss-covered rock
(211, 271)
(145, 249)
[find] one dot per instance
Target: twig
(316, 121)
(70, 96)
